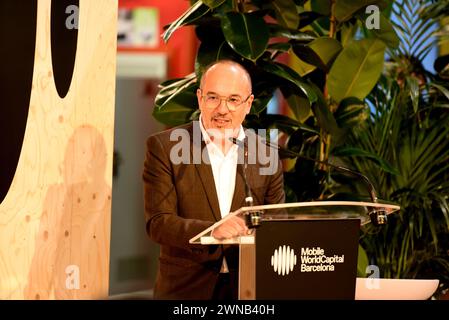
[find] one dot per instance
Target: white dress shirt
(224, 169)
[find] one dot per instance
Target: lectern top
(300, 211)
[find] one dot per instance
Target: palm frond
(421, 155)
(417, 33)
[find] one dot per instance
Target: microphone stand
(377, 216)
(253, 218)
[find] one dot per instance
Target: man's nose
(222, 108)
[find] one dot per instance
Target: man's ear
(198, 97)
(250, 103)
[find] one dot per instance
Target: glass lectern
(304, 250)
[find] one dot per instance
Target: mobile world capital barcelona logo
(283, 260)
(313, 259)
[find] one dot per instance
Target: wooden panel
(55, 219)
(247, 272)
(16, 78)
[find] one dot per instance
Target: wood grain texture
(247, 275)
(55, 219)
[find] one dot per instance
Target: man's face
(224, 81)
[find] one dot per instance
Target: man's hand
(233, 227)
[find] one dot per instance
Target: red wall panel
(182, 46)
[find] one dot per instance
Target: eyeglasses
(212, 101)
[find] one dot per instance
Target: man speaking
(182, 198)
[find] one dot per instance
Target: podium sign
(307, 259)
(304, 250)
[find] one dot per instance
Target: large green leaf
(196, 11)
(321, 26)
(351, 112)
(357, 152)
(323, 115)
(280, 46)
(356, 69)
(321, 6)
(279, 31)
(345, 9)
(348, 31)
(286, 13)
(210, 52)
(260, 104)
(306, 18)
(172, 87)
(321, 52)
(362, 262)
(299, 104)
(296, 140)
(178, 109)
(290, 75)
(213, 3)
(386, 32)
(286, 124)
(246, 33)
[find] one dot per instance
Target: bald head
(224, 81)
(223, 66)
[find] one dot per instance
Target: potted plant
(338, 49)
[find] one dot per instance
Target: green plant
(400, 144)
(408, 128)
(415, 241)
(324, 93)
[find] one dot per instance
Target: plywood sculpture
(57, 89)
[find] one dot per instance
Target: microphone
(253, 217)
(378, 217)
